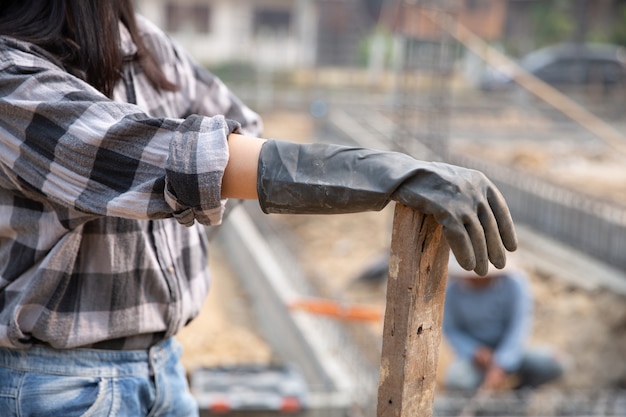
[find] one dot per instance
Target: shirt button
(170, 270)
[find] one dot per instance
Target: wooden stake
(413, 317)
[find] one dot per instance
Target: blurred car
(566, 64)
(276, 388)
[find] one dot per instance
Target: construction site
(441, 81)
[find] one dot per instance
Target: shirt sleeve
(64, 143)
(508, 354)
(463, 344)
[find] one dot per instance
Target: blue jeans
(538, 366)
(89, 382)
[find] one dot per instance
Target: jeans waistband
(89, 362)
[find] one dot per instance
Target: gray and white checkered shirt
(102, 202)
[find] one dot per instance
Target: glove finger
(460, 245)
(479, 243)
(495, 247)
(500, 210)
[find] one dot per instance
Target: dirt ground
(589, 328)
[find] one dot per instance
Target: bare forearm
(240, 176)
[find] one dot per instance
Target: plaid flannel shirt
(103, 202)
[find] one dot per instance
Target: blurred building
(277, 33)
(285, 34)
(486, 18)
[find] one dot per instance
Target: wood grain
(413, 315)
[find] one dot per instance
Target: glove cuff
(317, 179)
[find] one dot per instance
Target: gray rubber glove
(327, 179)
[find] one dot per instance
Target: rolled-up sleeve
(194, 171)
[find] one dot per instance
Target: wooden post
(413, 317)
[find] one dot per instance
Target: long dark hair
(84, 35)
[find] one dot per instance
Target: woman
(115, 150)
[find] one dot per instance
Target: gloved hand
(329, 179)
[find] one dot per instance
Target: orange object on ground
(337, 309)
